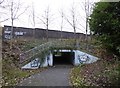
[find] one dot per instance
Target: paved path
(53, 76)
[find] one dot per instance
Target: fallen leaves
(96, 74)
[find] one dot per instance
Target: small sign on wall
(19, 33)
(7, 33)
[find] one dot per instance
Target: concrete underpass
(63, 58)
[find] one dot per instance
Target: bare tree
(32, 19)
(88, 10)
(15, 13)
(72, 20)
(92, 5)
(3, 6)
(1, 2)
(87, 15)
(61, 25)
(46, 19)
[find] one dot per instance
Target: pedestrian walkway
(53, 76)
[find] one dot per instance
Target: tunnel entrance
(63, 58)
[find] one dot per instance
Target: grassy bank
(99, 74)
(104, 72)
(11, 73)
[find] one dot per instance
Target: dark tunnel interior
(64, 58)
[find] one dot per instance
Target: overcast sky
(55, 7)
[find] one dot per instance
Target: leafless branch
(4, 20)
(41, 20)
(1, 1)
(17, 16)
(46, 19)
(68, 20)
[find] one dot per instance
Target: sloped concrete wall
(76, 61)
(85, 58)
(48, 61)
(79, 58)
